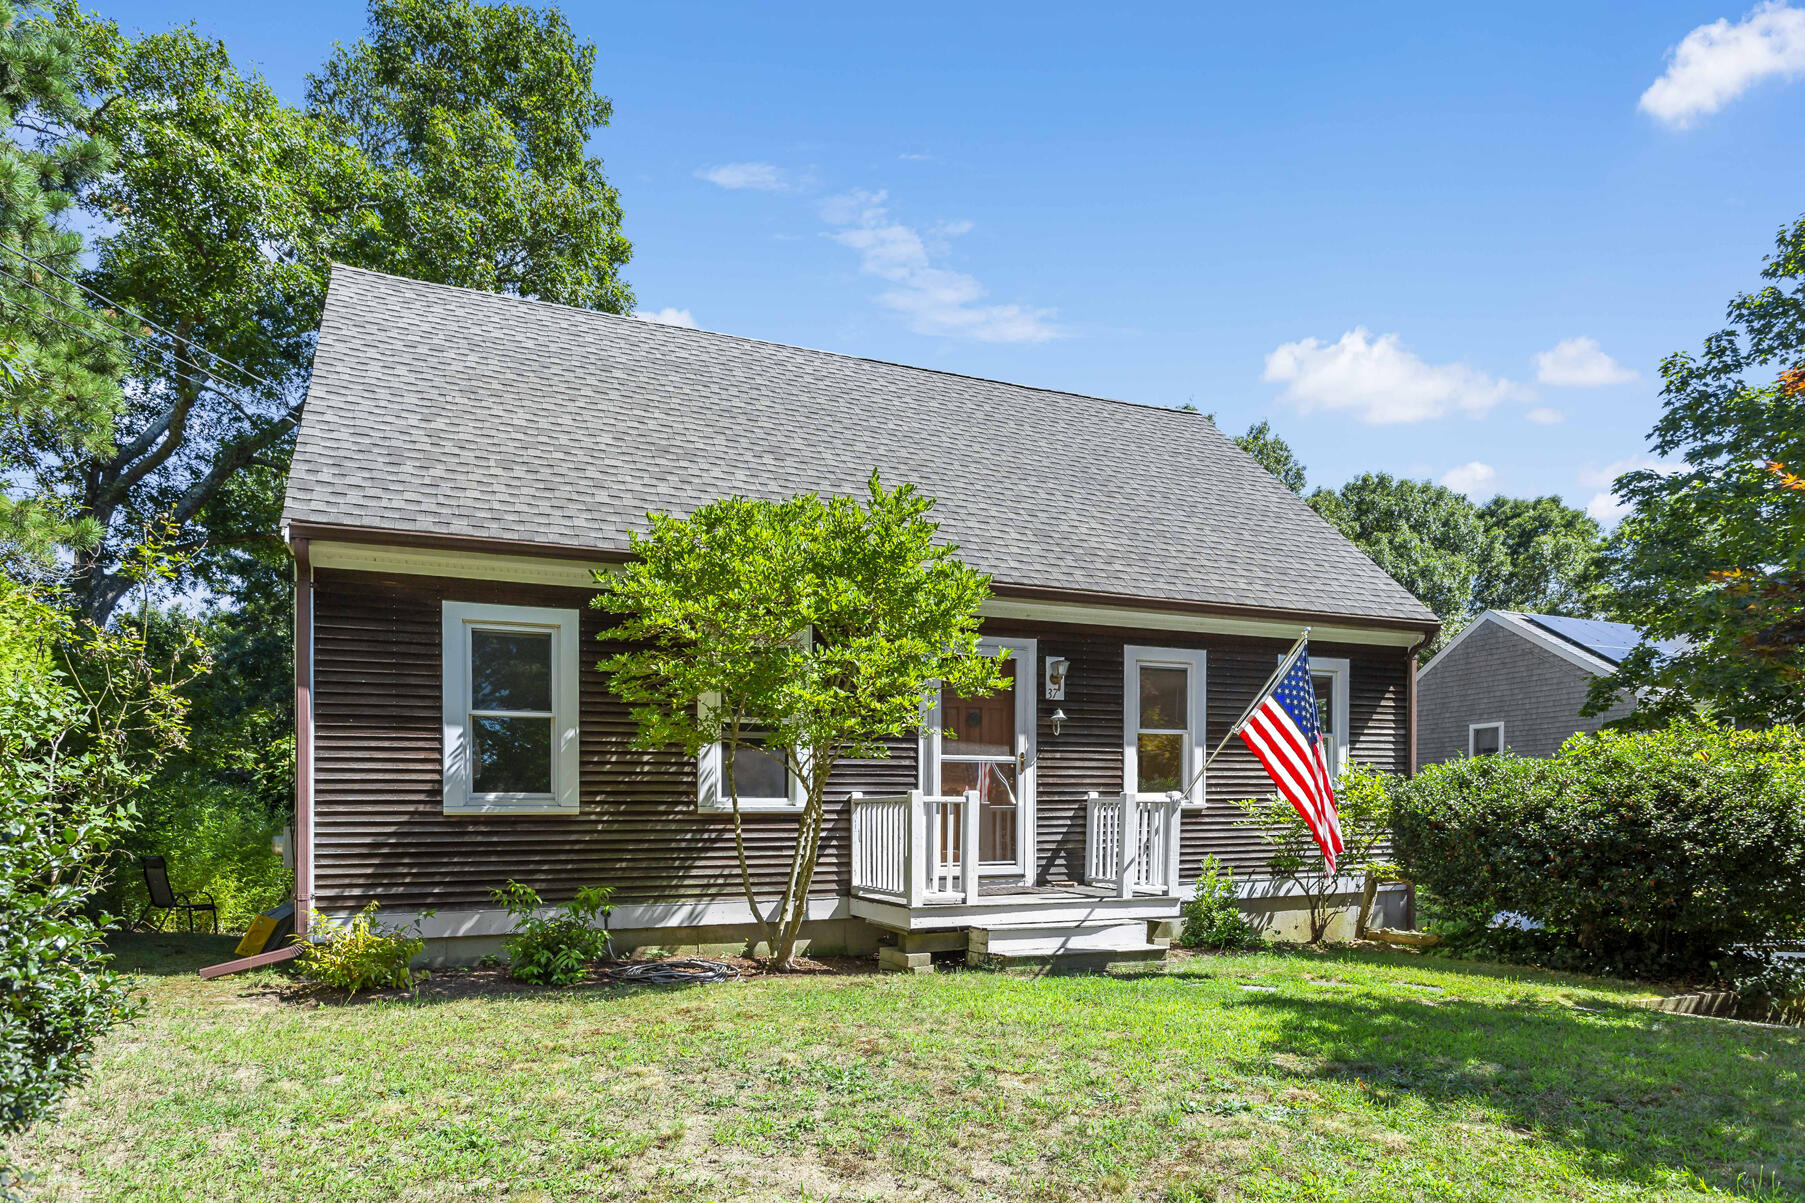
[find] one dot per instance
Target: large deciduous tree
(1553, 560)
(803, 630)
(1713, 552)
(1431, 540)
(1273, 454)
(448, 145)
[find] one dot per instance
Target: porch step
(1146, 957)
(1054, 940)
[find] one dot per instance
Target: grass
(1338, 1075)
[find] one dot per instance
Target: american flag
(1283, 731)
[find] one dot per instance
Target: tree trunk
(802, 873)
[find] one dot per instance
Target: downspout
(303, 736)
(1410, 697)
(1410, 705)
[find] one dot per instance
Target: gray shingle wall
(1498, 675)
(443, 411)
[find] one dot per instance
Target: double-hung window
(762, 779)
(1163, 721)
(510, 709)
(1330, 676)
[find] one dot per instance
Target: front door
(987, 744)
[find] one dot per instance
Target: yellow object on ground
(262, 928)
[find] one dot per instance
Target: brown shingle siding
(381, 832)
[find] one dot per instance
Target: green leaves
(813, 625)
(555, 949)
(85, 717)
(1713, 552)
(817, 621)
(360, 954)
(1659, 852)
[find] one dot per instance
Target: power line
(213, 379)
(112, 304)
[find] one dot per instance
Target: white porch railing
(915, 848)
(1131, 844)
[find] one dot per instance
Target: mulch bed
(484, 981)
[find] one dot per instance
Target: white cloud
(1380, 381)
(667, 316)
(1579, 363)
(1716, 63)
(1544, 415)
(936, 300)
(760, 177)
(1605, 506)
(914, 158)
(1470, 479)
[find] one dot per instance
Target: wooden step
(1141, 959)
(1057, 939)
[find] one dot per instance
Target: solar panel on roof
(1610, 640)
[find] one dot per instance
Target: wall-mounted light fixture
(1056, 670)
(1057, 718)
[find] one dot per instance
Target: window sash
(1193, 662)
(461, 621)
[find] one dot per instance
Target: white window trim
(1474, 728)
(711, 775)
(1134, 656)
(458, 619)
(1340, 673)
(711, 784)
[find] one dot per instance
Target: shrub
(1213, 919)
(217, 840)
(1363, 802)
(85, 717)
(1658, 853)
(555, 949)
(361, 954)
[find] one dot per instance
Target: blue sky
(1418, 238)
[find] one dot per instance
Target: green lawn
(1343, 1076)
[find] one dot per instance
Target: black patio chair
(167, 902)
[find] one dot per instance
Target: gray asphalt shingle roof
(443, 411)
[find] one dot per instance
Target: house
(468, 462)
(1517, 681)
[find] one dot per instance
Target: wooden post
(968, 847)
(917, 864)
(1130, 847)
(1174, 842)
(1090, 837)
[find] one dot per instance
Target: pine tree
(60, 360)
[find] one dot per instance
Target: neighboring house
(1517, 681)
(467, 462)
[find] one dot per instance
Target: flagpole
(1284, 667)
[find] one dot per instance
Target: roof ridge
(766, 342)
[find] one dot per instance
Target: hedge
(1661, 852)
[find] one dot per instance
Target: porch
(918, 869)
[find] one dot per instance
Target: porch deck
(916, 867)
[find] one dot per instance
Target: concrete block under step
(895, 960)
(931, 941)
(1164, 931)
(1061, 940)
(1145, 958)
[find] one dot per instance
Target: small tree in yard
(806, 630)
(1363, 801)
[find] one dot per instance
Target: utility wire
(112, 304)
(213, 379)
